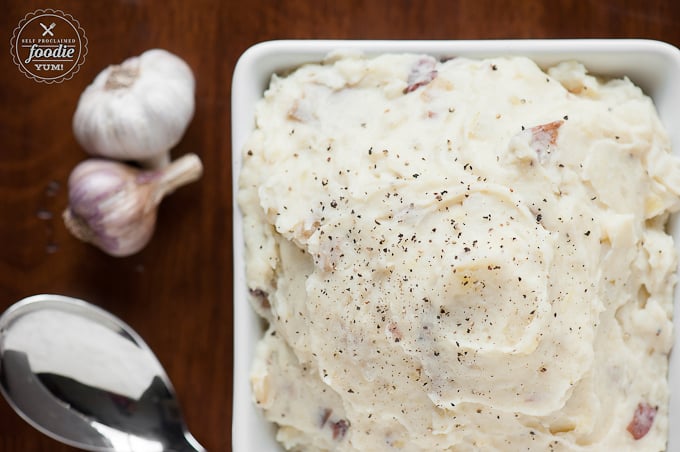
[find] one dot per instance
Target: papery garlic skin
(109, 208)
(114, 205)
(137, 110)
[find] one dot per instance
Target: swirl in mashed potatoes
(460, 255)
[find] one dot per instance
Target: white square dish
(652, 65)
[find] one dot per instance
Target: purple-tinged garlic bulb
(114, 205)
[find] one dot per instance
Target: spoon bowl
(85, 378)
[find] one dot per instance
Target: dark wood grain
(178, 292)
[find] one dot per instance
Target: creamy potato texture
(460, 255)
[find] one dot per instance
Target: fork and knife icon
(48, 30)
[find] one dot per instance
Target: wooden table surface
(177, 292)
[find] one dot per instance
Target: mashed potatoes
(461, 255)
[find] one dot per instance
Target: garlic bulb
(113, 205)
(137, 110)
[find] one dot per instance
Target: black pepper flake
(539, 217)
(334, 204)
(587, 233)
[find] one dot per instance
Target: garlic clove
(114, 206)
(137, 110)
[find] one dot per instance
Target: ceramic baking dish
(652, 65)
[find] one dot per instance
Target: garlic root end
(122, 75)
(77, 226)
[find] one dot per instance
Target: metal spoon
(85, 378)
